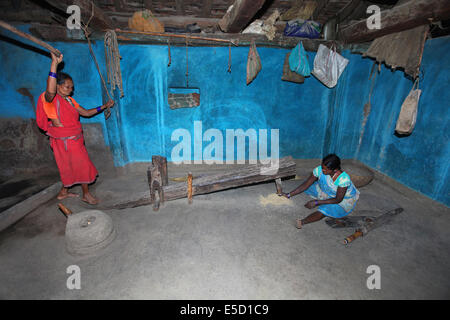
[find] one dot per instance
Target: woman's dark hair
(62, 77)
(332, 162)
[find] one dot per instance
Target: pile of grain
(275, 200)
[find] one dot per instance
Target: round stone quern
(88, 231)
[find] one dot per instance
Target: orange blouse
(50, 107)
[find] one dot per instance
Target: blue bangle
(52, 74)
(99, 109)
(316, 202)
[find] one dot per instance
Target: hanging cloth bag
(253, 63)
(328, 65)
(298, 61)
(408, 112)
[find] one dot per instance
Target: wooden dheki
(251, 174)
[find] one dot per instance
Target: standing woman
(58, 114)
(334, 193)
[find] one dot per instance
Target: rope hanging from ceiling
(113, 57)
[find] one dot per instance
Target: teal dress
(326, 188)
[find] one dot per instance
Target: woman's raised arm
(50, 91)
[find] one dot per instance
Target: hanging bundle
(298, 61)
(253, 63)
(168, 51)
(289, 75)
(328, 65)
(113, 57)
(229, 58)
(408, 114)
(145, 21)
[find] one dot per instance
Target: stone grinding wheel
(359, 174)
(88, 232)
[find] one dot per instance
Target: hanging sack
(298, 61)
(328, 65)
(302, 28)
(408, 112)
(288, 75)
(253, 63)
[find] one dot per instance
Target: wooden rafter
(99, 21)
(347, 10)
(402, 17)
(53, 33)
(207, 6)
(179, 7)
(148, 4)
(119, 5)
(240, 15)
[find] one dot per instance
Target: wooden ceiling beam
(99, 21)
(179, 7)
(34, 15)
(52, 33)
(118, 4)
(148, 4)
(242, 40)
(240, 15)
(207, 6)
(401, 17)
(347, 10)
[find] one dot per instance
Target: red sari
(67, 142)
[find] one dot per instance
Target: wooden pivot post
(161, 163)
(155, 185)
(278, 185)
(157, 179)
(189, 188)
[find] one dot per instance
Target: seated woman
(333, 191)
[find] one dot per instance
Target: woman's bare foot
(65, 194)
(89, 198)
(299, 223)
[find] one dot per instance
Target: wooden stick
(176, 36)
(278, 186)
(29, 37)
(349, 239)
(66, 211)
(189, 188)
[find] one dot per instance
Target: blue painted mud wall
(141, 124)
(226, 102)
(421, 160)
(23, 64)
(312, 119)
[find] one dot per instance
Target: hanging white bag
(328, 65)
(408, 113)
